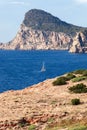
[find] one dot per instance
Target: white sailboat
(43, 69)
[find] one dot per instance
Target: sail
(43, 68)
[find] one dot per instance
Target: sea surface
(19, 69)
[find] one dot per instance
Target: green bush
(81, 127)
(60, 81)
(50, 120)
(70, 76)
(75, 101)
(80, 78)
(32, 127)
(81, 71)
(22, 122)
(79, 88)
(85, 73)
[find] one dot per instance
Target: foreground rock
(40, 106)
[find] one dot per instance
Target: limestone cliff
(28, 39)
(42, 31)
(79, 44)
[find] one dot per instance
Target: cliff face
(79, 44)
(28, 39)
(42, 31)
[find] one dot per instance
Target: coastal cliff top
(42, 105)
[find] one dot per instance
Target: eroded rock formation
(79, 44)
(28, 39)
(42, 31)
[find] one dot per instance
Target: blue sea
(19, 69)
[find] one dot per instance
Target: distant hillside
(41, 20)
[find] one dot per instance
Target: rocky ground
(41, 107)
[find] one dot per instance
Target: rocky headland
(45, 106)
(43, 31)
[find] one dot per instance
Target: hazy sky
(12, 13)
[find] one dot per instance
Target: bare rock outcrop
(42, 31)
(30, 39)
(79, 44)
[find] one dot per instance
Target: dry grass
(42, 102)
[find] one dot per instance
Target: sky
(12, 13)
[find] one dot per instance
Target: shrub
(75, 101)
(70, 76)
(53, 102)
(60, 81)
(81, 127)
(85, 73)
(79, 88)
(32, 127)
(77, 79)
(50, 120)
(81, 71)
(22, 122)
